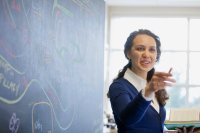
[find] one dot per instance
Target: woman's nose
(146, 53)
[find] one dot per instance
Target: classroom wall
(51, 66)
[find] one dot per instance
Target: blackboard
(51, 66)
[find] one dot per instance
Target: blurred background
(177, 23)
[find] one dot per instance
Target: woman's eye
(152, 50)
(140, 49)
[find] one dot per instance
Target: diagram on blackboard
(20, 91)
(51, 66)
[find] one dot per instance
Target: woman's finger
(179, 130)
(192, 129)
(168, 84)
(184, 130)
(161, 74)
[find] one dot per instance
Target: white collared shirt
(140, 84)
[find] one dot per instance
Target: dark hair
(161, 95)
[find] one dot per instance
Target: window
(180, 45)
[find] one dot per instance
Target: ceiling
(173, 3)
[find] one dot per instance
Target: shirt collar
(135, 80)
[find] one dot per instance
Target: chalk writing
(38, 125)
(10, 85)
(14, 123)
(15, 6)
(5, 66)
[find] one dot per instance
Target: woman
(138, 94)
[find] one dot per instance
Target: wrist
(147, 95)
(148, 92)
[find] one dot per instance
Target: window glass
(172, 59)
(194, 69)
(194, 34)
(177, 98)
(117, 62)
(194, 96)
(173, 38)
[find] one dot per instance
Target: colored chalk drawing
(51, 66)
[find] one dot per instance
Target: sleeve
(129, 109)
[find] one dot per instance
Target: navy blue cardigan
(132, 113)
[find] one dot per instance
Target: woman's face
(143, 53)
